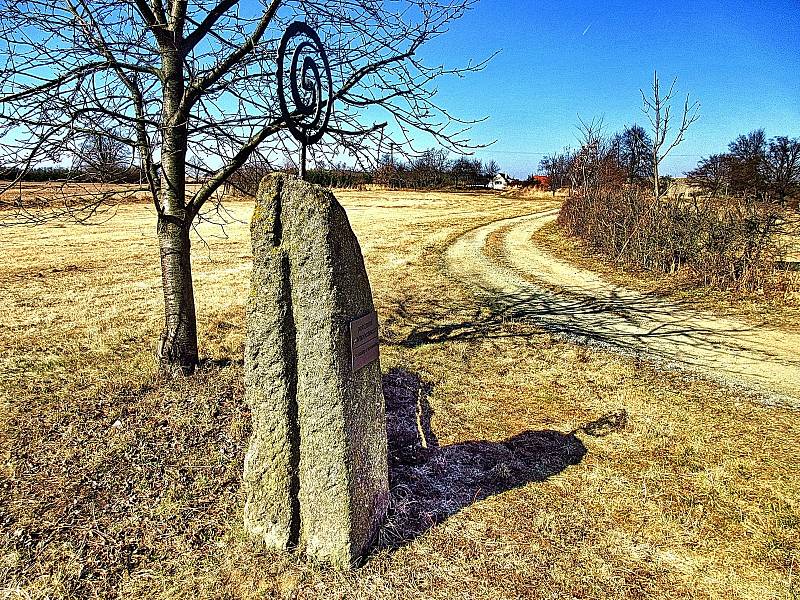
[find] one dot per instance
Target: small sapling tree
(658, 108)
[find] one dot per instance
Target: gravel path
(520, 280)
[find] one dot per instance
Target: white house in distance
(501, 181)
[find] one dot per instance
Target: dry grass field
(553, 470)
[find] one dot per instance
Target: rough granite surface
(316, 473)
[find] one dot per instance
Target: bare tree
(595, 163)
(491, 169)
(712, 174)
(783, 166)
(753, 166)
(634, 153)
(465, 172)
(429, 169)
(192, 85)
(748, 159)
(102, 158)
(658, 109)
(556, 167)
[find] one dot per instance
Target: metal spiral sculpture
(308, 119)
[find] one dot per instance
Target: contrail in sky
(587, 29)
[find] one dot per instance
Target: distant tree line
(340, 176)
(630, 158)
(753, 166)
(36, 174)
(625, 158)
(246, 179)
(765, 169)
(71, 174)
(434, 170)
(97, 159)
(101, 159)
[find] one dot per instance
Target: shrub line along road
(521, 281)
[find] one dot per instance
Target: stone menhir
(315, 473)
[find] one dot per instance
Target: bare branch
(659, 112)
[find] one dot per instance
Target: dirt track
(521, 281)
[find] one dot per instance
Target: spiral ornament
(309, 78)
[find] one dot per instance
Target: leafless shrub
(727, 245)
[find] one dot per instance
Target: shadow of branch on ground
(622, 322)
(430, 483)
(639, 326)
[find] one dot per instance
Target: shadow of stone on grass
(429, 483)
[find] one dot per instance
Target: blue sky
(559, 60)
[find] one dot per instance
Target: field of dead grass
(33, 194)
(551, 470)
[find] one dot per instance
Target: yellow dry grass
(118, 483)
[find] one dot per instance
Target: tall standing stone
(316, 474)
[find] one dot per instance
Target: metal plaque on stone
(364, 340)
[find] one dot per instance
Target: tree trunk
(656, 186)
(178, 346)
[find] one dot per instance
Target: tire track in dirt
(518, 280)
